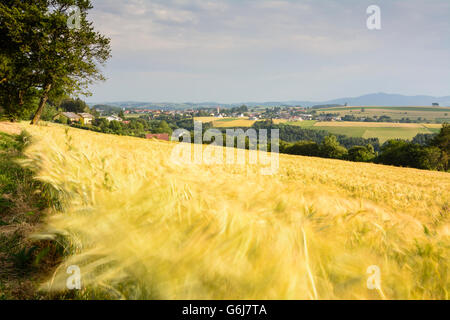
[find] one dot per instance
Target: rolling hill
(141, 227)
(373, 99)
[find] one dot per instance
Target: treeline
(289, 133)
(139, 127)
(429, 152)
(383, 118)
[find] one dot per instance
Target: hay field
(206, 119)
(226, 122)
(142, 228)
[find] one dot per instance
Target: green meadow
(359, 130)
(432, 114)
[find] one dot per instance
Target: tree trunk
(42, 103)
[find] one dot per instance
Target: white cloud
(246, 43)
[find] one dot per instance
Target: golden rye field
(142, 228)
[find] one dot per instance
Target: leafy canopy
(42, 56)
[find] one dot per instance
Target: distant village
(124, 116)
(284, 113)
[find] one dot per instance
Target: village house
(67, 117)
(113, 118)
(86, 118)
(306, 116)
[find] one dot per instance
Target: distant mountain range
(374, 99)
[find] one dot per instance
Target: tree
(76, 106)
(430, 158)
(442, 141)
(16, 90)
(361, 154)
(47, 57)
(163, 128)
(303, 148)
(116, 126)
(330, 148)
(424, 139)
(407, 154)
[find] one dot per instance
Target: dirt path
(10, 127)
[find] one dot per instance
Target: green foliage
(23, 257)
(163, 128)
(42, 57)
(361, 154)
(49, 113)
(442, 141)
(407, 154)
(330, 148)
(74, 105)
(303, 148)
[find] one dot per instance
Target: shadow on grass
(24, 202)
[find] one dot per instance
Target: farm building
(113, 118)
(67, 117)
(86, 118)
(159, 136)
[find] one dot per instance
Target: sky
(267, 50)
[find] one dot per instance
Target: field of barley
(142, 227)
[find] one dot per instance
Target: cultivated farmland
(381, 130)
(141, 227)
(433, 114)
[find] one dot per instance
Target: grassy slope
(24, 263)
(142, 227)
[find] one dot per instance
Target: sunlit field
(226, 122)
(375, 124)
(440, 114)
(382, 130)
(140, 227)
(232, 122)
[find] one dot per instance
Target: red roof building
(159, 136)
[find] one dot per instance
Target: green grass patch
(347, 131)
(427, 109)
(307, 124)
(384, 134)
(23, 201)
(228, 119)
